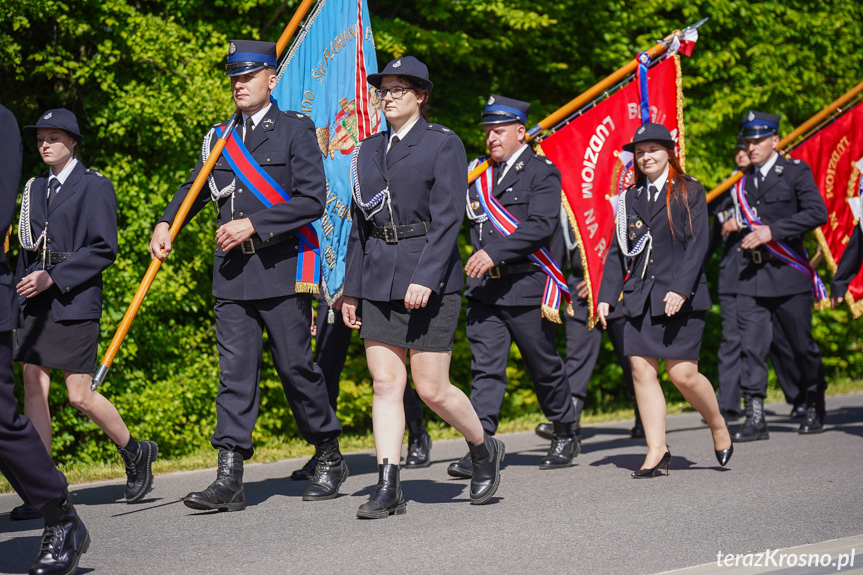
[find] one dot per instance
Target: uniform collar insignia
(267, 123)
(519, 166)
(778, 169)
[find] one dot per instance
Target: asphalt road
(592, 518)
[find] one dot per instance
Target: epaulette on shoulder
(94, 172)
(294, 115)
(439, 128)
(375, 135)
(689, 178)
(795, 161)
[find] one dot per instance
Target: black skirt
(65, 345)
(431, 328)
(675, 337)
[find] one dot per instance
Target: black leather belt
(392, 234)
(49, 258)
(498, 271)
(757, 256)
(253, 244)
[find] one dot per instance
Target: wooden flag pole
(586, 97)
(790, 138)
(144, 287)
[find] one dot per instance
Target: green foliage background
(146, 81)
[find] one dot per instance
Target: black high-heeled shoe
(724, 456)
(645, 473)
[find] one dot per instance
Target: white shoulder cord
(215, 193)
(25, 232)
(374, 205)
(623, 242)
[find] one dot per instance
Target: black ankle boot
(138, 457)
(485, 475)
(64, 540)
(419, 446)
(330, 472)
(564, 447)
(813, 422)
(307, 471)
(546, 430)
(226, 492)
(755, 426)
(461, 469)
(387, 499)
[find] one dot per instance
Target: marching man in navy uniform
(24, 461)
(506, 286)
(269, 185)
(779, 202)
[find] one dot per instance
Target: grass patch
(297, 448)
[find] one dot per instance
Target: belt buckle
(248, 247)
(756, 256)
(494, 273)
(391, 236)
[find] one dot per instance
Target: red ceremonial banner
(834, 153)
(595, 169)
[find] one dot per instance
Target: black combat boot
(461, 469)
(138, 457)
(815, 412)
(226, 492)
(485, 476)
(546, 430)
(387, 499)
(419, 446)
(305, 472)
(564, 447)
(330, 472)
(64, 540)
(755, 426)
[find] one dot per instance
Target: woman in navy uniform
(657, 262)
(403, 277)
(68, 228)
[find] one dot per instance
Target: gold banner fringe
(681, 141)
(6, 240)
(825, 249)
(307, 287)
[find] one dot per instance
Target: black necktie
(241, 132)
(393, 143)
(652, 198)
(496, 171)
(53, 188)
(759, 180)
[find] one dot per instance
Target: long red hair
(676, 188)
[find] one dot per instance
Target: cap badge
(490, 101)
(398, 64)
(751, 116)
(641, 130)
(232, 49)
(47, 116)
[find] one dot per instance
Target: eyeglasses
(396, 92)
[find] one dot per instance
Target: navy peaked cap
(245, 56)
(499, 110)
(650, 132)
(59, 118)
(759, 124)
(406, 66)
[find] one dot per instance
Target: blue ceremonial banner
(324, 76)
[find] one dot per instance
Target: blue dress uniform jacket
(427, 178)
(676, 262)
(284, 144)
(23, 459)
(530, 191)
(849, 264)
(789, 202)
(82, 221)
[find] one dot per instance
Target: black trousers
(582, 349)
(239, 332)
(491, 331)
(793, 316)
(331, 352)
(781, 356)
(24, 461)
